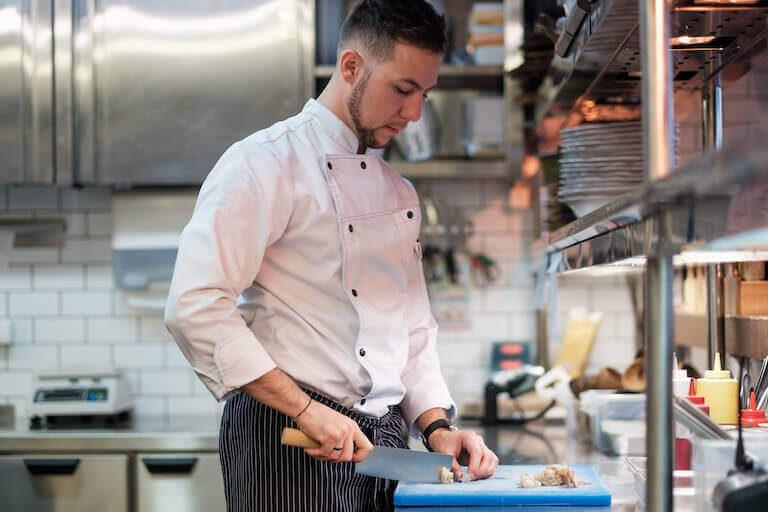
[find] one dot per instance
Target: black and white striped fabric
(260, 474)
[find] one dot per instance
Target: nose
(412, 108)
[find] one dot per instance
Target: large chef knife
(385, 462)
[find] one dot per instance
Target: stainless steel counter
(535, 444)
(182, 434)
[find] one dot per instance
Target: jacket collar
(332, 126)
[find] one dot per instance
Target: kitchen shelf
(698, 207)
(744, 335)
(604, 59)
(453, 169)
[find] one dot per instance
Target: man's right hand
(328, 427)
(340, 437)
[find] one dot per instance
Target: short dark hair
(379, 24)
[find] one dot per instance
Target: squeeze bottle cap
(717, 371)
(692, 396)
(752, 416)
(678, 374)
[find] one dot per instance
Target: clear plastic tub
(683, 482)
(713, 458)
(617, 421)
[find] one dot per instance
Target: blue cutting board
(503, 489)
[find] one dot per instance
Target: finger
(456, 469)
(487, 465)
(316, 453)
(337, 448)
(349, 449)
(476, 448)
(364, 446)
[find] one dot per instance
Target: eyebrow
(417, 84)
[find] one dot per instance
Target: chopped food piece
(446, 477)
(528, 482)
(466, 478)
(548, 476)
(552, 475)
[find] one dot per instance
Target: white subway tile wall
(65, 311)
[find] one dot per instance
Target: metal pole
(712, 132)
(542, 338)
(657, 89)
(715, 313)
(657, 129)
(659, 342)
(712, 103)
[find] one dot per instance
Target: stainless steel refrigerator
(144, 92)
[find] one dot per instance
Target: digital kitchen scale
(80, 398)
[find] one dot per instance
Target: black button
(354, 292)
(362, 164)
(362, 402)
(410, 214)
(362, 352)
(351, 229)
(330, 166)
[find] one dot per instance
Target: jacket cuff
(241, 359)
(415, 404)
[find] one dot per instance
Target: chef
(298, 294)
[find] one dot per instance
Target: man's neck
(332, 99)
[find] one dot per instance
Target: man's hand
(326, 426)
(468, 449)
(340, 437)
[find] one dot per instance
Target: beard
(365, 136)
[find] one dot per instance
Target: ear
(351, 65)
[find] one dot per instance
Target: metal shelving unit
(624, 51)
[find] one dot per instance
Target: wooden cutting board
(503, 489)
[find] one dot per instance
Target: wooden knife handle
(295, 437)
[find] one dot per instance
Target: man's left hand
(468, 449)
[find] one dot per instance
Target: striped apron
(260, 474)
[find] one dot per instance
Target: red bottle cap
(695, 399)
(692, 396)
(752, 416)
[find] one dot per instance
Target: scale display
(72, 395)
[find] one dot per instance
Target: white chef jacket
(303, 255)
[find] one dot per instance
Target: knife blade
(385, 462)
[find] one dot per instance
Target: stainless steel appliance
(64, 483)
(144, 92)
(179, 481)
(80, 398)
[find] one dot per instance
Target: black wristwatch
(441, 423)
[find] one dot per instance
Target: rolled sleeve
(243, 207)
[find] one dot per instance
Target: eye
(402, 91)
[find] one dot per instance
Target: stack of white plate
(600, 161)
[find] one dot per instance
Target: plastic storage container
(682, 481)
(713, 458)
(617, 421)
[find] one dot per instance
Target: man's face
(389, 94)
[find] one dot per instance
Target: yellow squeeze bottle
(721, 394)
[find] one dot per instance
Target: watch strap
(441, 423)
